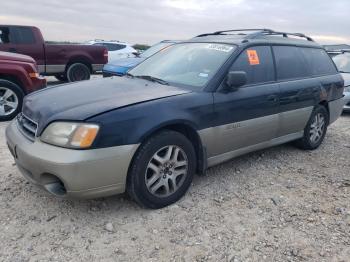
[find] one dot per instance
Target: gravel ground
(279, 204)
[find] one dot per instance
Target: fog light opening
(56, 188)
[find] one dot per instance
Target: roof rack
(256, 33)
(338, 51)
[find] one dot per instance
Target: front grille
(27, 126)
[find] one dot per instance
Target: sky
(147, 22)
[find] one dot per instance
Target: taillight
(105, 55)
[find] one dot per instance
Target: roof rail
(338, 51)
(257, 33)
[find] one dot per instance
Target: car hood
(80, 101)
(16, 57)
(127, 62)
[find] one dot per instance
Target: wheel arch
(189, 130)
(79, 59)
(325, 104)
(14, 79)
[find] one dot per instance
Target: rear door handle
(272, 98)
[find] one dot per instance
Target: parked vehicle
(194, 105)
(342, 61)
(120, 67)
(116, 50)
(65, 62)
(18, 76)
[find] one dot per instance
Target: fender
(131, 125)
(18, 71)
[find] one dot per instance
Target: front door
(22, 40)
(249, 115)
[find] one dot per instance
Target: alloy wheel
(8, 101)
(317, 128)
(166, 171)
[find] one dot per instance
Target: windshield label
(222, 48)
(203, 74)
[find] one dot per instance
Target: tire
(62, 78)
(11, 99)
(78, 72)
(143, 170)
(315, 129)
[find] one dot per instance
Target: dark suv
(196, 104)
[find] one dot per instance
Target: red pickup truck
(65, 62)
(18, 76)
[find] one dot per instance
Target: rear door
(299, 89)
(249, 115)
(22, 40)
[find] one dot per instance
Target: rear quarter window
(22, 35)
(319, 61)
(290, 63)
(114, 47)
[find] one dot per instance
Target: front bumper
(114, 70)
(37, 84)
(71, 173)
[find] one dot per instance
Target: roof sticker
(253, 57)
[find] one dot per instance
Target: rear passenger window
(24, 35)
(112, 47)
(290, 63)
(16, 35)
(4, 35)
(257, 62)
(319, 61)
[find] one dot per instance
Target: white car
(116, 49)
(342, 61)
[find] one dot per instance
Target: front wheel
(315, 129)
(78, 72)
(162, 170)
(11, 98)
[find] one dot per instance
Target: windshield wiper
(153, 79)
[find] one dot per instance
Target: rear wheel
(162, 170)
(11, 98)
(315, 129)
(78, 72)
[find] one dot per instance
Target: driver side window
(4, 35)
(257, 62)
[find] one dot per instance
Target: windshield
(154, 49)
(342, 62)
(192, 64)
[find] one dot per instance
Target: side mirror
(236, 79)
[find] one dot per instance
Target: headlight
(70, 135)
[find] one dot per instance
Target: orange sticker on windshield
(253, 57)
